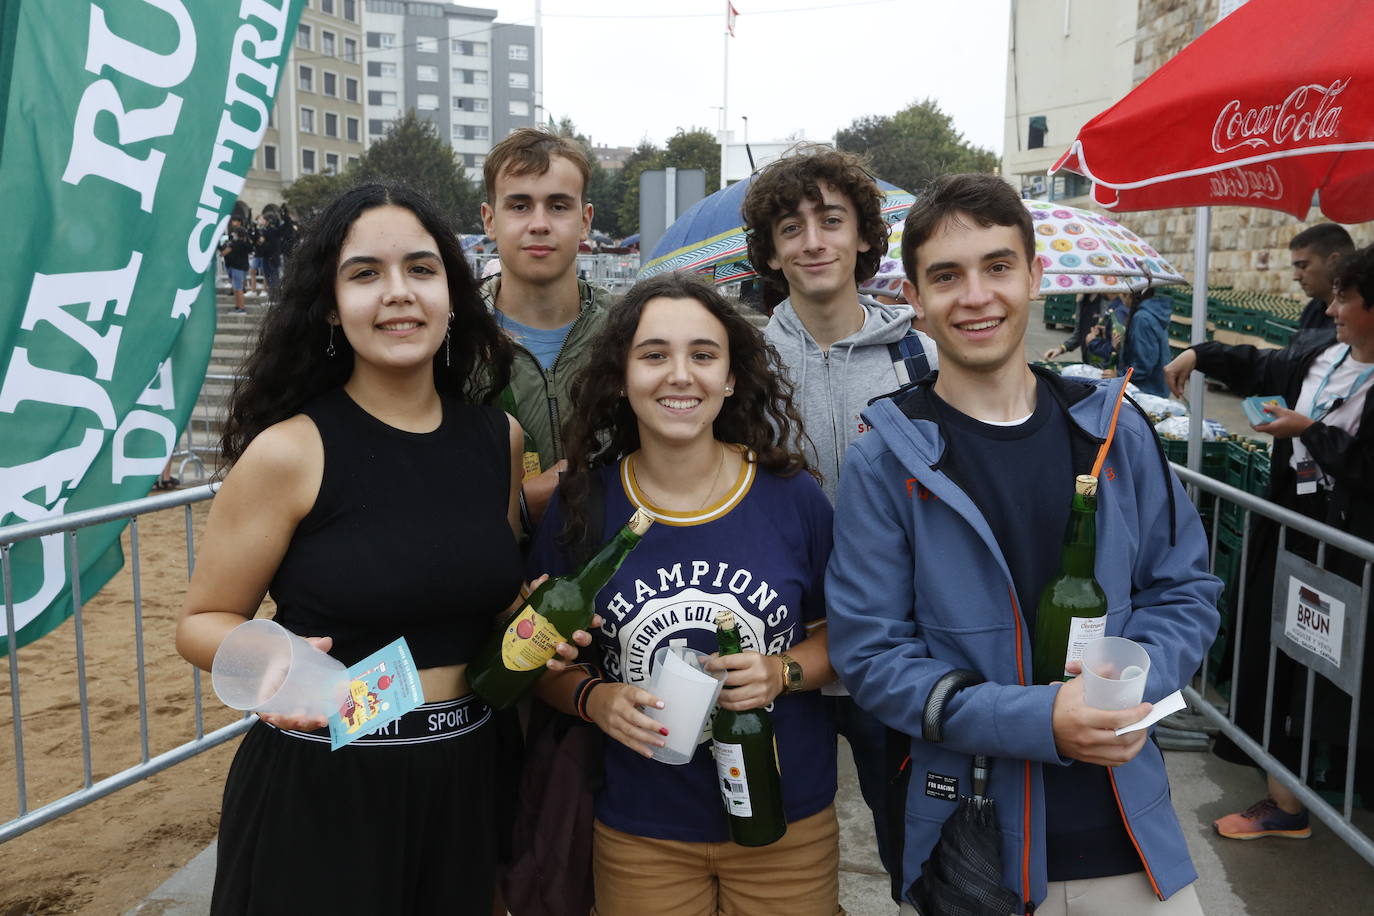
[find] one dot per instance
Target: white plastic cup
(688, 692)
(1114, 672)
(263, 667)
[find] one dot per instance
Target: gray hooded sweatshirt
(833, 388)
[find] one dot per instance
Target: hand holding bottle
(1087, 734)
(616, 710)
(752, 682)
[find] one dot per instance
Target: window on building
(306, 81)
(351, 88)
(326, 43)
(469, 48)
(1039, 126)
(427, 44)
(329, 83)
(351, 126)
(331, 163)
(481, 132)
(479, 77)
(269, 157)
(519, 80)
(350, 10)
(307, 120)
(519, 109)
(352, 161)
(518, 52)
(303, 37)
(376, 126)
(479, 104)
(379, 97)
(350, 49)
(327, 6)
(308, 161)
(479, 161)
(479, 48)
(427, 101)
(331, 124)
(426, 73)
(381, 39)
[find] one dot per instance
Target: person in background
(1143, 345)
(1323, 467)
(947, 529)
(537, 212)
(682, 412)
(235, 250)
(816, 231)
(1314, 252)
(373, 494)
(1088, 328)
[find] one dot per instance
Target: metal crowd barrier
(67, 526)
(1326, 537)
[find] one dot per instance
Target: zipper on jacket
(830, 399)
(1131, 833)
(1026, 807)
(549, 395)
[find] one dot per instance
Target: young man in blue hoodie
(816, 231)
(948, 525)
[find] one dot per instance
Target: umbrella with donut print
(1086, 252)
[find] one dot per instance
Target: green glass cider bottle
(513, 659)
(746, 760)
(1073, 608)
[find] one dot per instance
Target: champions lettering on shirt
(761, 554)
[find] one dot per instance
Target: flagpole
(725, 100)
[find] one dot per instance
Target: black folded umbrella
(963, 876)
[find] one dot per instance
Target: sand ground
(107, 856)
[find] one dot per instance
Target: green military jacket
(540, 399)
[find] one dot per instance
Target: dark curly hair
(986, 199)
(760, 414)
(1355, 271)
(783, 184)
(289, 367)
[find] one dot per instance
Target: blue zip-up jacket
(917, 586)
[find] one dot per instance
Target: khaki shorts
(798, 875)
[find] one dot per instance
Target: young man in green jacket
(537, 211)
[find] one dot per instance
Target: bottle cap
(1085, 485)
(640, 522)
(725, 619)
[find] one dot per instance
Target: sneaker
(1263, 818)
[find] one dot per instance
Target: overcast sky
(626, 69)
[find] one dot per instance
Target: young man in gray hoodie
(816, 231)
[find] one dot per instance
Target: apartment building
(317, 123)
(455, 66)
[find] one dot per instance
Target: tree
(697, 148)
(412, 153)
(603, 188)
(915, 145)
(309, 194)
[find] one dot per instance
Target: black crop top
(408, 535)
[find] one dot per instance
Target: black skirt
(406, 825)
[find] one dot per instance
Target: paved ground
(1260, 878)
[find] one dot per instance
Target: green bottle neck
(1078, 557)
(727, 640)
(599, 569)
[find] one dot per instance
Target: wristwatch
(791, 673)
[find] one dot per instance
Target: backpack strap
(909, 359)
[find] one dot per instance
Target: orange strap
(1111, 430)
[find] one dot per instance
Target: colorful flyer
(1257, 409)
(381, 688)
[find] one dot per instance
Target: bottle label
(734, 779)
(1082, 630)
(529, 641)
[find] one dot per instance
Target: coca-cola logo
(1308, 113)
(1247, 183)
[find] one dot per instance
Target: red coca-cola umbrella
(1274, 102)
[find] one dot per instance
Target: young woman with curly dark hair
(374, 495)
(683, 413)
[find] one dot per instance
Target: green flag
(126, 130)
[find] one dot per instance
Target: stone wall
(1249, 245)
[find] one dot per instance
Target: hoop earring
(329, 350)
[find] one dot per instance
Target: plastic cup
(688, 692)
(1114, 672)
(263, 667)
